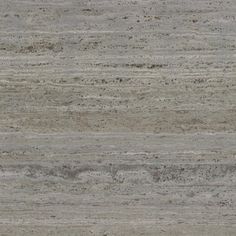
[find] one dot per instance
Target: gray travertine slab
(118, 117)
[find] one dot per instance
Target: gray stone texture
(117, 117)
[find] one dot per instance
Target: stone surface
(118, 117)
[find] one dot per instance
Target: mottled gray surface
(117, 117)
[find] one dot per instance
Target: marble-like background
(118, 117)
